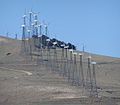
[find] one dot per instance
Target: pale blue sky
(96, 23)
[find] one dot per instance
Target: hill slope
(23, 81)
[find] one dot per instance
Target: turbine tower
(24, 35)
(81, 73)
(36, 24)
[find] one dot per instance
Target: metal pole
(36, 29)
(49, 56)
(62, 60)
(70, 64)
(89, 76)
(16, 36)
(36, 24)
(40, 42)
(95, 93)
(30, 20)
(55, 57)
(24, 34)
(33, 39)
(48, 51)
(23, 39)
(46, 30)
(30, 47)
(81, 73)
(66, 61)
(74, 68)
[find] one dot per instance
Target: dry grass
(45, 87)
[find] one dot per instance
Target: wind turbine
(74, 68)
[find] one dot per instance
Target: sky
(92, 23)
